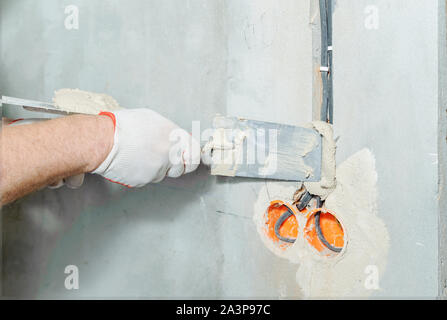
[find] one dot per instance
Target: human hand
(146, 148)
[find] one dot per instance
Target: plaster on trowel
(258, 149)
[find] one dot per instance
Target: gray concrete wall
(188, 60)
(442, 137)
(185, 238)
(386, 98)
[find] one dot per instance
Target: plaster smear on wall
(326, 185)
(75, 100)
(356, 271)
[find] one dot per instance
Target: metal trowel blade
(258, 149)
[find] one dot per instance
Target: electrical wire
(321, 236)
(331, 69)
(324, 59)
(279, 223)
(327, 107)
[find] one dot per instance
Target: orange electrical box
(330, 228)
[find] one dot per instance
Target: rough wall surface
(192, 237)
(386, 98)
(442, 156)
(188, 60)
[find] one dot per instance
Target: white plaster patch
(354, 202)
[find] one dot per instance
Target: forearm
(35, 155)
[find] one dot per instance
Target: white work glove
(73, 182)
(146, 148)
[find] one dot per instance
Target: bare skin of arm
(35, 155)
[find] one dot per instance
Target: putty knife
(258, 149)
